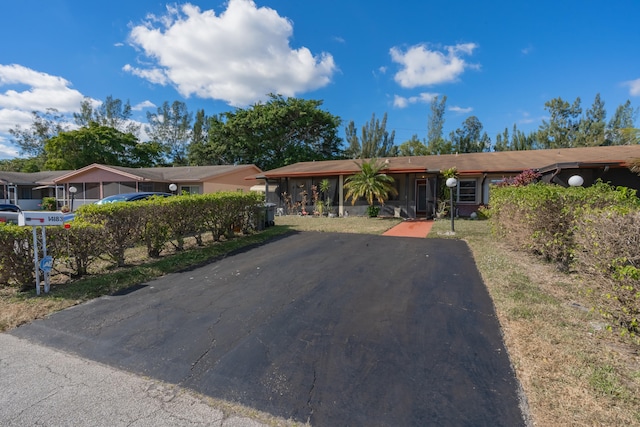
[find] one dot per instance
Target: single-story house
(97, 181)
(419, 181)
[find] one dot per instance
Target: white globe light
(452, 182)
(173, 187)
(576, 181)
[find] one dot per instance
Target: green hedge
(593, 230)
(100, 231)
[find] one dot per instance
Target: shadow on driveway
(334, 329)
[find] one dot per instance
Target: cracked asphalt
(321, 328)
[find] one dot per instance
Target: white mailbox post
(41, 219)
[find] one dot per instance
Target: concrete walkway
(46, 387)
(411, 228)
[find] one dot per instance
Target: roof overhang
(579, 165)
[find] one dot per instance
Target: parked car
(9, 213)
(131, 197)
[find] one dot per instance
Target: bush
(49, 204)
(113, 228)
(16, 256)
(373, 211)
(595, 230)
(609, 240)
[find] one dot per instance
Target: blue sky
(497, 60)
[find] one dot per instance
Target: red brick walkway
(411, 228)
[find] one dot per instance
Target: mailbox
(35, 218)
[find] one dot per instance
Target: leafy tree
(515, 141)
(435, 124)
(591, 129)
(199, 140)
(370, 183)
(170, 126)
(562, 128)
(374, 140)
(470, 138)
(112, 112)
(217, 149)
(279, 132)
(413, 147)
(98, 144)
(20, 165)
(621, 130)
(503, 141)
(31, 140)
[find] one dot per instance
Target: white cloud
(142, 105)
(460, 110)
(22, 91)
(6, 151)
(43, 90)
(238, 56)
(424, 67)
(634, 87)
(423, 98)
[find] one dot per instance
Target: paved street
(330, 329)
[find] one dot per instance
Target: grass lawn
(572, 369)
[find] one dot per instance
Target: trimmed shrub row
(100, 231)
(594, 231)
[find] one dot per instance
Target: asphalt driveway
(333, 329)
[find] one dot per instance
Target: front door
(424, 198)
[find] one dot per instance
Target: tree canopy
(374, 140)
(277, 133)
(170, 127)
(98, 144)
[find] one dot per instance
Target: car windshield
(112, 199)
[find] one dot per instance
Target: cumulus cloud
(634, 87)
(423, 98)
(43, 90)
(23, 90)
(238, 56)
(422, 66)
(460, 110)
(142, 105)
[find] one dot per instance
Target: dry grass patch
(351, 224)
(573, 371)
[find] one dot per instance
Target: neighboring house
(97, 181)
(419, 180)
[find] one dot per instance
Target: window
(145, 187)
(189, 189)
(467, 191)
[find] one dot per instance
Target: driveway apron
(326, 328)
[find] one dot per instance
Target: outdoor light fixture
(173, 187)
(73, 190)
(451, 183)
(576, 181)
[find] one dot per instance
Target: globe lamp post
(452, 183)
(576, 181)
(73, 190)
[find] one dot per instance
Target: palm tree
(370, 183)
(634, 165)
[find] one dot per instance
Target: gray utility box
(270, 214)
